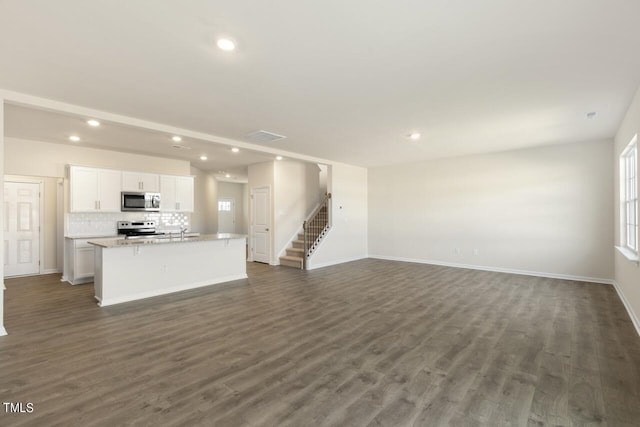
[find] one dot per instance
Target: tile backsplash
(94, 224)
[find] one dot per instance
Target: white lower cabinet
(84, 262)
(79, 260)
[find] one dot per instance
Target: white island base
(132, 270)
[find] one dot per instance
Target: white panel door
(226, 215)
(261, 223)
(21, 228)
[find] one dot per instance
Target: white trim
(3, 331)
(50, 271)
(625, 302)
(628, 254)
(311, 266)
(41, 226)
(499, 269)
(159, 292)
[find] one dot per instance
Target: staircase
(313, 231)
(294, 255)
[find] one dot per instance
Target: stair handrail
(311, 218)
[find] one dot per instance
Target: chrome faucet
(183, 229)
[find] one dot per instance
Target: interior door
(260, 224)
(21, 228)
(226, 215)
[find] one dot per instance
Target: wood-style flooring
(364, 343)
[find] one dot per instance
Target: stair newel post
(304, 246)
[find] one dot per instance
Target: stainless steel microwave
(147, 202)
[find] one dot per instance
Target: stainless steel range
(138, 229)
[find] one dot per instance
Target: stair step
(295, 252)
(291, 261)
(298, 243)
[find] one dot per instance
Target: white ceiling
(343, 80)
(48, 126)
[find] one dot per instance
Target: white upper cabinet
(168, 193)
(98, 190)
(176, 193)
(138, 181)
(95, 190)
(184, 193)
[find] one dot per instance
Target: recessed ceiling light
(235, 149)
(74, 138)
(93, 123)
(415, 136)
(203, 157)
(176, 138)
(279, 158)
(227, 176)
(226, 45)
(591, 115)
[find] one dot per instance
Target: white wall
(347, 239)
(237, 192)
(297, 185)
(204, 218)
(26, 157)
(323, 178)
(245, 208)
(541, 210)
(627, 273)
(2, 161)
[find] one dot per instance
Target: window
(224, 205)
(629, 198)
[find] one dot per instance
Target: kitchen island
(128, 269)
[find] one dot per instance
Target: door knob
(266, 229)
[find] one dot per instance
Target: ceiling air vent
(264, 136)
(181, 147)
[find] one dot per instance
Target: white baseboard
(499, 269)
(313, 266)
(158, 292)
(625, 302)
(50, 271)
(3, 331)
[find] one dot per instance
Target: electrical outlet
(456, 251)
(476, 251)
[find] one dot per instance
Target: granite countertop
(169, 239)
(92, 236)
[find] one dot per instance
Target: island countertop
(189, 237)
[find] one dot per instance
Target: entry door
(226, 215)
(260, 223)
(21, 228)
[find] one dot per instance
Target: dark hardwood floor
(365, 343)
